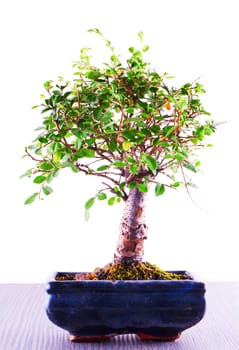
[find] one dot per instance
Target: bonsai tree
(123, 123)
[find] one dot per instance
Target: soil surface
(125, 271)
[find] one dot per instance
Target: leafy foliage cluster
(120, 122)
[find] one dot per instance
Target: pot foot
(88, 338)
(163, 338)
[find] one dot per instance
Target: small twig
(157, 182)
(79, 105)
(223, 122)
(29, 155)
(188, 192)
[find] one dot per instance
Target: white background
(188, 39)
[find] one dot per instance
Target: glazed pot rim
(124, 286)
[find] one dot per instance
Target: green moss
(131, 270)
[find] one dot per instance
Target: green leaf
(168, 156)
(107, 117)
(179, 157)
(89, 203)
(113, 145)
(159, 189)
(163, 144)
(94, 30)
(122, 185)
(101, 196)
(39, 179)
(130, 160)
(190, 167)
(78, 133)
(167, 130)
(140, 35)
(53, 174)
(93, 74)
(142, 187)
(132, 185)
(48, 84)
(42, 139)
(87, 215)
(111, 200)
(150, 162)
(103, 168)
(145, 48)
(118, 163)
(129, 134)
(28, 173)
(74, 168)
(32, 147)
(194, 141)
(114, 58)
(139, 140)
(117, 190)
(31, 199)
(46, 166)
(39, 127)
(70, 165)
(126, 145)
(47, 190)
(78, 143)
(134, 169)
(130, 110)
(98, 112)
(86, 153)
(199, 133)
(57, 156)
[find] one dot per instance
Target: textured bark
(133, 228)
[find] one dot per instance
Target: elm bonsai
(123, 123)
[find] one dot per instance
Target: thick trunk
(133, 228)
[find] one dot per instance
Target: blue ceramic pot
(97, 310)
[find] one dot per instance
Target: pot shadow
(123, 342)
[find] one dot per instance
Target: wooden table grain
(25, 326)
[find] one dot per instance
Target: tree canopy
(121, 122)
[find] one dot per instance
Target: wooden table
(24, 325)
